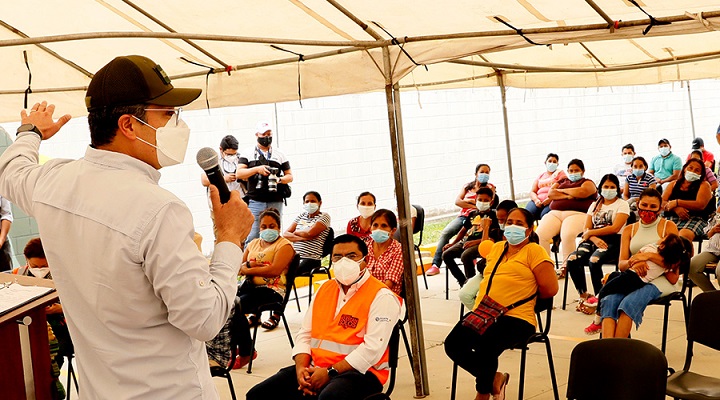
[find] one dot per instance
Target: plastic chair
(703, 328)
(567, 283)
(419, 227)
(327, 249)
(224, 371)
(623, 369)
(541, 336)
(71, 375)
(393, 355)
(278, 307)
(666, 301)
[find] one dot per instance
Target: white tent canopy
(577, 44)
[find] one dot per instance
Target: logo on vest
(348, 321)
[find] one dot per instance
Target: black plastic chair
(541, 336)
(393, 355)
(419, 227)
(327, 249)
(278, 307)
(71, 375)
(224, 371)
(567, 283)
(703, 328)
(666, 301)
(623, 369)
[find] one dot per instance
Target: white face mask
(366, 211)
(347, 271)
(310, 208)
(39, 272)
(172, 141)
(482, 205)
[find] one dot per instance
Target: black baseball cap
(130, 80)
(697, 143)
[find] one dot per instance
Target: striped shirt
(636, 186)
(311, 248)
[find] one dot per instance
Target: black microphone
(207, 159)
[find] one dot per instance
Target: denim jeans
(633, 304)
(450, 230)
(257, 207)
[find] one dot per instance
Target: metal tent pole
(392, 96)
(692, 114)
(501, 84)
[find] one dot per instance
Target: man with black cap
(139, 297)
(708, 157)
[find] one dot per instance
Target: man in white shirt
(341, 351)
(139, 298)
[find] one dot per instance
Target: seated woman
(466, 201)
(539, 203)
(601, 241)
(687, 201)
(709, 175)
(308, 232)
(520, 269)
(571, 197)
(265, 264)
(638, 180)
(384, 259)
(481, 225)
(711, 254)
(617, 311)
(360, 225)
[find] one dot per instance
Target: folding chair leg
(232, 388)
(447, 283)
(407, 344)
(297, 299)
(252, 349)
(287, 330)
(665, 326)
(551, 365)
(453, 387)
(71, 375)
(310, 290)
(422, 266)
(567, 278)
(523, 357)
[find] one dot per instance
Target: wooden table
(12, 377)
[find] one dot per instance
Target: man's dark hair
(103, 122)
(345, 238)
(628, 146)
(486, 191)
(229, 143)
(34, 249)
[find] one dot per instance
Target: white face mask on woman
(366, 211)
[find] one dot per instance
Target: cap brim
(176, 97)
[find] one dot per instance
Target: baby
(665, 256)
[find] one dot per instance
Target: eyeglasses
(352, 256)
(172, 112)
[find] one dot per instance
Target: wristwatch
(332, 372)
(29, 128)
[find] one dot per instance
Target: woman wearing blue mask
(384, 258)
(571, 198)
(264, 265)
(466, 201)
(687, 201)
(539, 203)
(520, 268)
(638, 180)
(308, 232)
(600, 244)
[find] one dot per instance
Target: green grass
(432, 230)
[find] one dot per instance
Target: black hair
(506, 205)
(270, 212)
(651, 192)
(486, 191)
(694, 186)
(628, 146)
(477, 167)
(607, 177)
(363, 194)
(314, 193)
(578, 162)
(675, 251)
(557, 157)
(345, 238)
(34, 249)
(641, 159)
(387, 214)
(229, 142)
(697, 152)
(103, 122)
(529, 220)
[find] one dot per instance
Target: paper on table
(17, 295)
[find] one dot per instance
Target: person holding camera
(267, 173)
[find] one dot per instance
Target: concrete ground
(440, 315)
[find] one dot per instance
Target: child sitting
(664, 257)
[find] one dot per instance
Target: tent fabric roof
(464, 43)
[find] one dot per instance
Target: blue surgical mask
(664, 151)
(269, 235)
(638, 172)
(609, 194)
(574, 177)
(691, 176)
(310, 208)
(514, 234)
(380, 235)
(551, 166)
(628, 158)
(483, 177)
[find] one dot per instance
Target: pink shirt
(545, 180)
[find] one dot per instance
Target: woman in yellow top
(523, 269)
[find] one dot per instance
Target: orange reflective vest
(334, 337)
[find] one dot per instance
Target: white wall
(340, 146)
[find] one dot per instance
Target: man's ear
(126, 126)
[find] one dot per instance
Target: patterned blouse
(354, 228)
(389, 266)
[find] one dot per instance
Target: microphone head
(207, 158)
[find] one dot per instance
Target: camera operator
(267, 172)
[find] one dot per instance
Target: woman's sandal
(587, 309)
(271, 323)
(253, 320)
